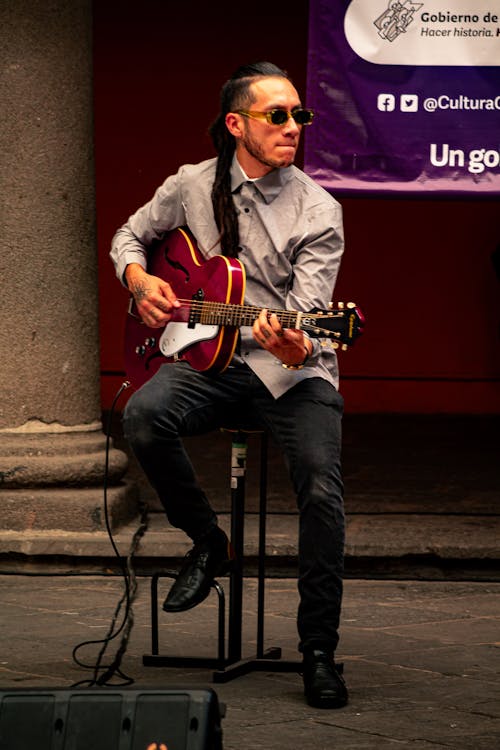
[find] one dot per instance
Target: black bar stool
(228, 663)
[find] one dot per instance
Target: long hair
(235, 94)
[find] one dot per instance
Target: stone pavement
(421, 658)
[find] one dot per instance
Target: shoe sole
(327, 702)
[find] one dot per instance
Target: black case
(109, 719)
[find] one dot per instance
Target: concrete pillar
(52, 446)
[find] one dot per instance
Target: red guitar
(204, 330)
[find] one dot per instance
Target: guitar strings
(224, 313)
(256, 309)
(250, 311)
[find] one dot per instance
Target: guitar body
(206, 347)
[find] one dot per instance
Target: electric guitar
(204, 329)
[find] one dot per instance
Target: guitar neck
(223, 314)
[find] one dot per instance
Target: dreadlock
(235, 94)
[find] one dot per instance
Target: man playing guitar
(253, 207)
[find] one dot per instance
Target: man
(253, 203)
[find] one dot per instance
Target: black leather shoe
(207, 560)
(324, 687)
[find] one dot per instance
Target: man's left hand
(288, 345)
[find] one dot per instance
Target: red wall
(421, 270)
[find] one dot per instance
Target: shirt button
(247, 210)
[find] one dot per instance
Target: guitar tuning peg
(335, 344)
(344, 347)
(340, 305)
(330, 305)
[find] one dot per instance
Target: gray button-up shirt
(291, 243)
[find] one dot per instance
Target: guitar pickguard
(178, 336)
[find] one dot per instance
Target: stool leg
(154, 614)
(239, 451)
(261, 572)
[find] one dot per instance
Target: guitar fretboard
(224, 314)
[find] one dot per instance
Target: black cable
(130, 589)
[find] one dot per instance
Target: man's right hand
(155, 298)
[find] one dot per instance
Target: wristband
(300, 365)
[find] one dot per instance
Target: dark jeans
(305, 422)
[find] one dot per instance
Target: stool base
(269, 662)
(226, 668)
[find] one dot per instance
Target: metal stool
(231, 664)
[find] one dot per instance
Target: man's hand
(155, 298)
(289, 345)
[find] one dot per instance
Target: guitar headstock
(343, 323)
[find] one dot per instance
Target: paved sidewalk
(421, 659)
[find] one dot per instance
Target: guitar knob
(140, 350)
(151, 342)
(351, 305)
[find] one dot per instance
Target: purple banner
(406, 96)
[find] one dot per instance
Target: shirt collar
(268, 186)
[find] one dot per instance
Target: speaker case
(110, 719)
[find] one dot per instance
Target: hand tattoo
(140, 291)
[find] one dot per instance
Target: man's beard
(255, 149)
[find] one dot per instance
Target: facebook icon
(386, 102)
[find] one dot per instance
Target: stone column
(52, 445)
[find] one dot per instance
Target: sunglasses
(280, 116)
